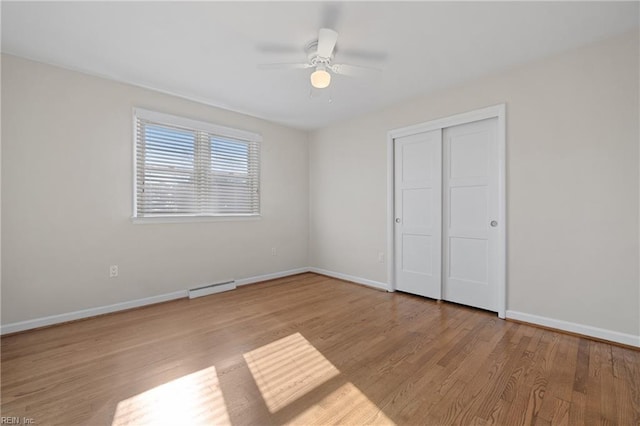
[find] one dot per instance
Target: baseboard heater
(211, 289)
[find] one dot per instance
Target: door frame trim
(495, 111)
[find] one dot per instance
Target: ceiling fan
(320, 57)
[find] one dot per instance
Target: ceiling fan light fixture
(320, 78)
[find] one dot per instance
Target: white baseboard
(613, 336)
(586, 330)
(358, 280)
(91, 312)
(267, 277)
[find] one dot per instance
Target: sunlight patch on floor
(195, 399)
(287, 369)
(346, 405)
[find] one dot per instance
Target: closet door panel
(470, 208)
(418, 213)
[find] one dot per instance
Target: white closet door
(418, 213)
(470, 214)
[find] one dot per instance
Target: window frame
(195, 125)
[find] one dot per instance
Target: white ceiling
(209, 51)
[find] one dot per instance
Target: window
(188, 168)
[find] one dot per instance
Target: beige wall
(572, 184)
(0, 189)
(572, 175)
(67, 199)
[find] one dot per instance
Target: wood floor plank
(560, 377)
(608, 399)
(522, 394)
(309, 349)
(582, 367)
(577, 409)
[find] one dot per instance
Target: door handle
(494, 223)
(397, 220)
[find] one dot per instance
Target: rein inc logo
(6, 420)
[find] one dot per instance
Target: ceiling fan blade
(284, 66)
(277, 48)
(330, 14)
(352, 70)
(367, 55)
(326, 42)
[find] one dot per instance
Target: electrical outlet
(274, 251)
(113, 271)
(380, 257)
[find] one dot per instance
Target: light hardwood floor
(314, 350)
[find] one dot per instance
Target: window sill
(188, 219)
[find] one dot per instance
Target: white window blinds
(190, 168)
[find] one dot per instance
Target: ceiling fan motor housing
(312, 55)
